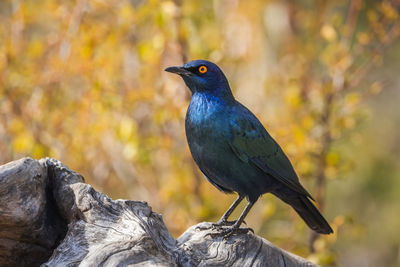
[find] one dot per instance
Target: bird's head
(203, 76)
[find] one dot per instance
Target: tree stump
(49, 216)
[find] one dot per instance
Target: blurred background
(82, 81)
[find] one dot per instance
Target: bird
(235, 152)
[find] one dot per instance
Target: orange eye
(202, 69)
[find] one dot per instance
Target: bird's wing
(252, 144)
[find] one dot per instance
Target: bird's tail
(309, 213)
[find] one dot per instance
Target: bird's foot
(230, 231)
(221, 223)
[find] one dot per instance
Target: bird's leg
(224, 218)
(242, 216)
(236, 227)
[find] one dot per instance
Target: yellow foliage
(328, 32)
(22, 143)
(353, 99)
(372, 15)
(307, 122)
(292, 96)
(332, 158)
(129, 151)
(268, 209)
(35, 48)
(126, 128)
(363, 38)
(389, 11)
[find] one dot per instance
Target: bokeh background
(82, 81)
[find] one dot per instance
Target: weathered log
(49, 216)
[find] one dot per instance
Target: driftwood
(49, 216)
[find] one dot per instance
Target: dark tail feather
(306, 209)
(310, 214)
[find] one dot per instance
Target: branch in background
(340, 85)
(73, 28)
(326, 116)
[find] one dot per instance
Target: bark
(50, 216)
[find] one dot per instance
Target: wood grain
(50, 216)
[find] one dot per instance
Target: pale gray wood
(30, 226)
(49, 215)
(200, 249)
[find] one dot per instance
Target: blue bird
(235, 152)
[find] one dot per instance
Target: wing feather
(251, 143)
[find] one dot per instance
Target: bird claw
(217, 225)
(230, 231)
(221, 223)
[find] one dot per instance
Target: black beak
(178, 70)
